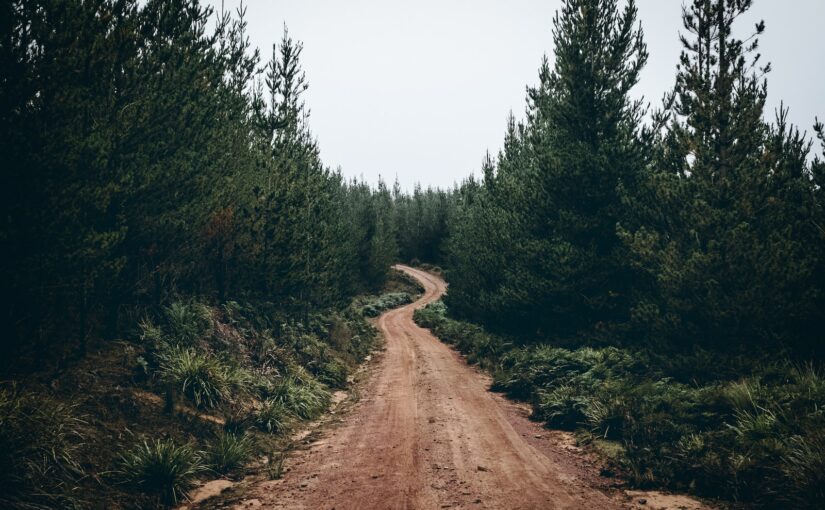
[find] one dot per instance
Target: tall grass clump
(561, 407)
(803, 467)
(187, 322)
(272, 417)
(162, 469)
(40, 440)
(302, 396)
(150, 333)
(205, 380)
(228, 451)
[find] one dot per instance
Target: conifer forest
(622, 307)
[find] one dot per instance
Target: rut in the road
(428, 434)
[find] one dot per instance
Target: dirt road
(427, 433)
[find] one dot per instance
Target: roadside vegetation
(743, 428)
(185, 282)
(197, 392)
(375, 307)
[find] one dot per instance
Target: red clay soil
(427, 433)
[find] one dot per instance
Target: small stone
(538, 436)
(642, 501)
(482, 468)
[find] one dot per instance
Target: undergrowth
(757, 438)
(39, 442)
(197, 391)
(205, 380)
(162, 469)
(273, 417)
(301, 396)
(229, 451)
(374, 307)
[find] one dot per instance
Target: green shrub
(229, 451)
(808, 390)
(432, 268)
(234, 312)
(740, 395)
(311, 352)
(479, 346)
(431, 314)
(205, 380)
(375, 307)
(333, 374)
(524, 370)
(39, 442)
(161, 469)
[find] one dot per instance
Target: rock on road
(427, 433)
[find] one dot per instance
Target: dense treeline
(147, 153)
(421, 219)
(601, 222)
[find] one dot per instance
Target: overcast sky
(420, 90)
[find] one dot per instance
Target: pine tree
(726, 244)
(565, 273)
(144, 161)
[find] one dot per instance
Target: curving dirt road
(428, 434)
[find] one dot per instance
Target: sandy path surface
(427, 433)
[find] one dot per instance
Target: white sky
(421, 89)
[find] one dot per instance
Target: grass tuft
(302, 396)
(803, 467)
(162, 469)
(188, 322)
(273, 417)
(206, 380)
(562, 407)
(228, 452)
